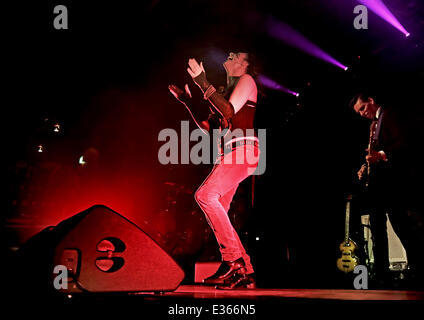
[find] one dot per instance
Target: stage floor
(209, 292)
(206, 302)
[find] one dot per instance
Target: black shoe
(225, 271)
(239, 280)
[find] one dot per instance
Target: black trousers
(408, 223)
(407, 219)
(362, 204)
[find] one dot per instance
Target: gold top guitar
(347, 260)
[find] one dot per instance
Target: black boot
(225, 271)
(239, 280)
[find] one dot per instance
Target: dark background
(104, 80)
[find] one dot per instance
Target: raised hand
(194, 68)
(182, 96)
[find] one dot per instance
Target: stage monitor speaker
(104, 252)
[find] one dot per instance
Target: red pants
(215, 194)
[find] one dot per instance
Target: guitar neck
(347, 219)
(371, 143)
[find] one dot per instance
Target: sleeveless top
(243, 119)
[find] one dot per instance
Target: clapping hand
(182, 96)
(194, 68)
(197, 72)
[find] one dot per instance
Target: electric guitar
(215, 121)
(347, 260)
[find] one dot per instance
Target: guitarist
(234, 109)
(388, 160)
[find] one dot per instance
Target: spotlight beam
(380, 9)
(290, 36)
(271, 84)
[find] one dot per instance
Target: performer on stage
(234, 109)
(391, 162)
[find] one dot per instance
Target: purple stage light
(287, 34)
(271, 84)
(380, 9)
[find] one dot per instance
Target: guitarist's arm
(183, 97)
(395, 148)
(395, 135)
(394, 145)
(371, 158)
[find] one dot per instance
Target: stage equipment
(348, 259)
(98, 250)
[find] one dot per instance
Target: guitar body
(348, 259)
(217, 122)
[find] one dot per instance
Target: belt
(235, 144)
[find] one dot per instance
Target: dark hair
(254, 67)
(364, 96)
